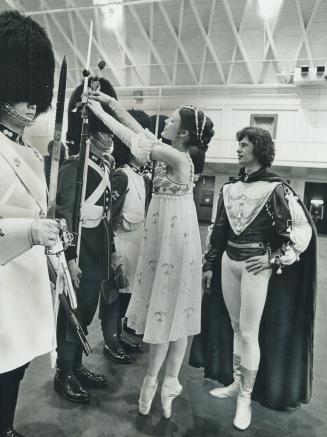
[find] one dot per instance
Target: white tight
(174, 351)
(245, 296)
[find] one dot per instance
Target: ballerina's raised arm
(143, 144)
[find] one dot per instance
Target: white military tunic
(26, 316)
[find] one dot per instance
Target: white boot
(232, 390)
(171, 388)
(148, 390)
(243, 415)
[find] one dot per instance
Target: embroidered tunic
(284, 378)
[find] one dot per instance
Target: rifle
(57, 265)
(82, 166)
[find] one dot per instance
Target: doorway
(315, 199)
(203, 197)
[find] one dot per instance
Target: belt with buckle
(259, 245)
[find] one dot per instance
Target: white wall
(301, 138)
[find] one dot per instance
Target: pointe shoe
(232, 390)
(243, 415)
(171, 388)
(148, 390)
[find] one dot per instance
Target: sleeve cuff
(15, 238)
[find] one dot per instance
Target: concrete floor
(113, 411)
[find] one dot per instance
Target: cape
(284, 378)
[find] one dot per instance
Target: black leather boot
(10, 433)
(90, 379)
(69, 387)
(130, 346)
(130, 331)
(116, 353)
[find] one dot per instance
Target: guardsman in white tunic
(26, 316)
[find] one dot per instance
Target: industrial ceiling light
(269, 8)
(304, 70)
(112, 13)
(320, 70)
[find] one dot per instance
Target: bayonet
(55, 158)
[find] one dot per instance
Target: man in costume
(91, 271)
(261, 269)
(26, 316)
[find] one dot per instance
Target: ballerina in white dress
(166, 303)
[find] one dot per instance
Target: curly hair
(263, 145)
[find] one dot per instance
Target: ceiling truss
(182, 21)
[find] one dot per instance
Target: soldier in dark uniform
(130, 198)
(93, 268)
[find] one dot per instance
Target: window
(265, 121)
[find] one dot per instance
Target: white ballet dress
(166, 300)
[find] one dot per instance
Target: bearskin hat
(121, 152)
(73, 135)
(26, 61)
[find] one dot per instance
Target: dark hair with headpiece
(161, 127)
(200, 129)
(26, 62)
(73, 135)
(121, 152)
(263, 145)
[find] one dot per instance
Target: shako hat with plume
(74, 117)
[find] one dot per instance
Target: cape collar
(260, 175)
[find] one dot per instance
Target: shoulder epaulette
(120, 172)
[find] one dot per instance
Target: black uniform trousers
(95, 255)
(69, 350)
(9, 387)
(68, 347)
